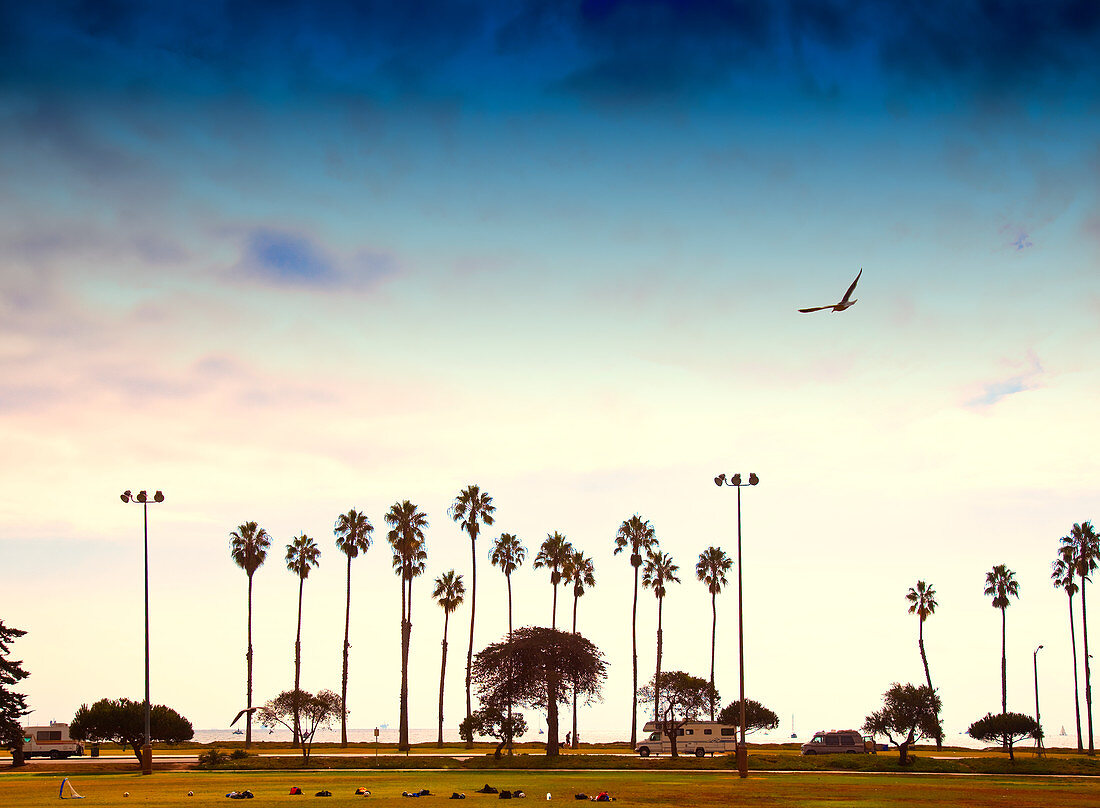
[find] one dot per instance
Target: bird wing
(242, 712)
(817, 308)
(851, 288)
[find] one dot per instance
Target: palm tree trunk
(1088, 678)
(508, 578)
(657, 676)
(298, 665)
(634, 651)
(927, 675)
(1076, 690)
(553, 696)
(573, 743)
(344, 677)
(713, 635)
(554, 615)
(470, 650)
(1004, 666)
(442, 675)
(248, 695)
(406, 636)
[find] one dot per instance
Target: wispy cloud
(1016, 237)
(999, 389)
(287, 258)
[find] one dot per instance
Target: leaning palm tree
(353, 536)
(448, 593)
(302, 555)
(1062, 573)
(922, 603)
(658, 572)
(1082, 547)
(637, 534)
(248, 546)
(553, 555)
(508, 553)
(1000, 583)
(472, 508)
(406, 539)
(711, 569)
(581, 572)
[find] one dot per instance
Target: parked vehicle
(694, 737)
(842, 741)
(52, 742)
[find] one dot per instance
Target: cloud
(287, 258)
(1016, 237)
(995, 391)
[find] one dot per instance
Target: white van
(52, 741)
(694, 737)
(842, 741)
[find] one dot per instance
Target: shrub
(213, 757)
(238, 754)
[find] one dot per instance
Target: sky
(280, 260)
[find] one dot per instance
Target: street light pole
(142, 498)
(742, 751)
(1039, 737)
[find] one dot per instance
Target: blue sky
(282, 260)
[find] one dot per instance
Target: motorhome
(694, 737)
(52, 741)
(842, 741)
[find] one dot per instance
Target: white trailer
(694, 737)
(52, 742)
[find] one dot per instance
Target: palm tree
(581, 572)
(448, 593)
(406, 538)
(353, 536)
(248, 546)
(553, 555)
(711, 569)
(922, 603)
(1062, 572)
(302, 555)
(471, 509)
(659, 570)
(508, 553)
(1082, 548)
(637, 534)
(1000, 583)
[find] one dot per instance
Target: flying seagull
(845, 303)
(248, 710)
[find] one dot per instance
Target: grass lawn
(651, 789)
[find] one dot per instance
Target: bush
(238, 754)
(213, 757)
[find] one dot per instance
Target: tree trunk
(470, 650)
(406, 636)
(573, 742)
(713, 636)
(903, 750)
(508, 578)
(344, 677)
(442, 675)
(1076, 688)
(248, 664)
(634, 651)
(657, 677)
(554, 616)
(298, 665)
(552, 696)
(927, 675)
(1088, 676)
(1004, 666)
(18, 758)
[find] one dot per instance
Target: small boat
(1063, 732)
(238, 732)
(793, 733)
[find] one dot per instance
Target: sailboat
(1063, 732)
(793, 733)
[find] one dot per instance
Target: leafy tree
(908, 714)
(659, 571)
(1081, 549)
(922, 603)
(1005, 728)
(302, 555)
(302, 710)
(538, 667)
(553, 555)
(123, 721)
(581, 572)
(508, 553)
(637, 534)
(679, 697)
(711, 569)
(406, 539)
(1062, 572)
(757, 716)
(353, 536)
(493, 721)
(448, 593)
(1000, 583)
(13, 706)
(248, 545)
(472, 508)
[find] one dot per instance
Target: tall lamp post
(1039, 737)
(735, 481)
(142, 499)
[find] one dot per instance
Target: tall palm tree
(637, 534)
(508, 553)
(406, 538)
(922, 603)
(1082, 547)
(553, 555)
(248, 546)
(1062, 572)
(1000, 583)
(448, 593)
(711, 569)
(658, 572)
(581, 572)
(472, 508)
(302, 555)
(353, 536)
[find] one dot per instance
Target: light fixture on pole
(742, 752)
(1039, 737)
(142, 498)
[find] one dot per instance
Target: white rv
(694, 737)
(52, 742)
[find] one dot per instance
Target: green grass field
(651, 789)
